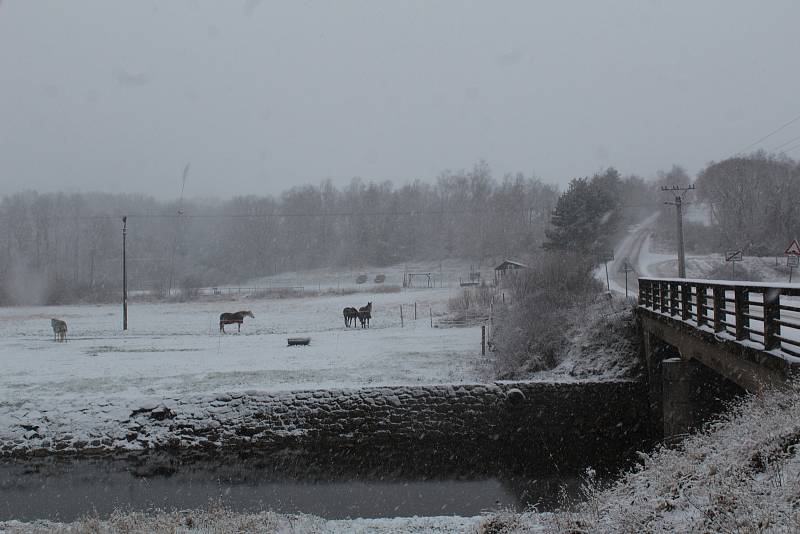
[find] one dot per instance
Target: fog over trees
(67, 247)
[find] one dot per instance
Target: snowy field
(173, 350)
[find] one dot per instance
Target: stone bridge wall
(578, 423)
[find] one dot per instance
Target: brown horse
(365, 314)
(234, 318)
(59, 329)
(350, 316)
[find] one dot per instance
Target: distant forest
(750, 202)
(60, 247)
(68, 247)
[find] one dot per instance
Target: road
(635, 250)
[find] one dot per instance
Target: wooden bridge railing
(761, 313)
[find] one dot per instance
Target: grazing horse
(365, 314)
(350, 316)
(59, 329)
(234, 318)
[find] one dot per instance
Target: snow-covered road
(635, 250)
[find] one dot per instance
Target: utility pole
(679, 214)
(177, 232)
(124, 276)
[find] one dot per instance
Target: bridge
(706, 341)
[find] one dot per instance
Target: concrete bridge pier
(683, 392)
(656, 352)
(679, 383)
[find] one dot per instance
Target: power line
(261, 216)
(284, 214)
(791, 148)
(792, 140)
(773, 132)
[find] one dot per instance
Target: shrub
(531, 333)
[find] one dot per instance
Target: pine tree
(586, 215)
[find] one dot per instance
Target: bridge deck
(749, 332)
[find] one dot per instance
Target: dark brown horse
(59, 329)
(350, 316)
(234, 318)
(365, 314)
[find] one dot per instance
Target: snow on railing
(766, 314)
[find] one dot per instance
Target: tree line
(747, 202)
(60, 247)
(753, 203)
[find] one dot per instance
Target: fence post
(742, 297)
(415, 310)
(430, 311)
(719, 308)
(772, 313)
(662, 296)
(673, 299)
(401, 316)
(701, 305)
(483, 340)
(686, 301)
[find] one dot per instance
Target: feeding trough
(299, 341)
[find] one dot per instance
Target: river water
(329, 486)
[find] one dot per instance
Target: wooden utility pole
(678, 203)
(124, 275)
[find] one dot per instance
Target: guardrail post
(653, 295)
(742, 307)
(719, 308)
(656, 296)
(642, 293)
(673, 298)
(701, 304)
(686, 301)
(772, 314)
(662, 296)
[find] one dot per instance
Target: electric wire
(792, 140)
(773, 132)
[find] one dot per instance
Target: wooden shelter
(507, 267)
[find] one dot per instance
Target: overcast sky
(260, 96)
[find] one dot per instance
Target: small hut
(506, 268)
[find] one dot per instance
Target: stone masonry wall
(554, 423)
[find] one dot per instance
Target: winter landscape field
(173, 350)
(490, 184)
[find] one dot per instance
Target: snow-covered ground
(266, 522)
(101, 374)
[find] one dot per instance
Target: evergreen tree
(586, 215)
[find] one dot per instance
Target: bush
(532, 333)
